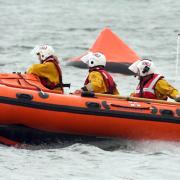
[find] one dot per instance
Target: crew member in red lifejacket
(152, 85)
(98, 79)
(48, 70)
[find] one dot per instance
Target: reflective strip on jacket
(148, 91)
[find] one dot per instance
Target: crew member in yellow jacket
(98, 79)
(152, 85)
(48, 70)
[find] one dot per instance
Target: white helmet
(143, 67)
(94, 59)
(44, 51)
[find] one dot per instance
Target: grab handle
(24, 96)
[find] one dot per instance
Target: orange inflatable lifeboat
(30, 113)
(119, 55)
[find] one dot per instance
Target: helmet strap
(93, 68)
(146, 69)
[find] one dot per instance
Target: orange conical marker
(119, 55)
(113, 48)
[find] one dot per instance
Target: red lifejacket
(148, 90)
(46, 82)
(109, 82)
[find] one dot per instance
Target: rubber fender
(166, 112)
(24, 96)
(93, 105)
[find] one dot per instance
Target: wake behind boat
(30, 113)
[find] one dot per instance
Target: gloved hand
(77, 92)
(132, 95)
(177, 99)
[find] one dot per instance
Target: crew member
(98, 79)
(48, 69)
(152, 85)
